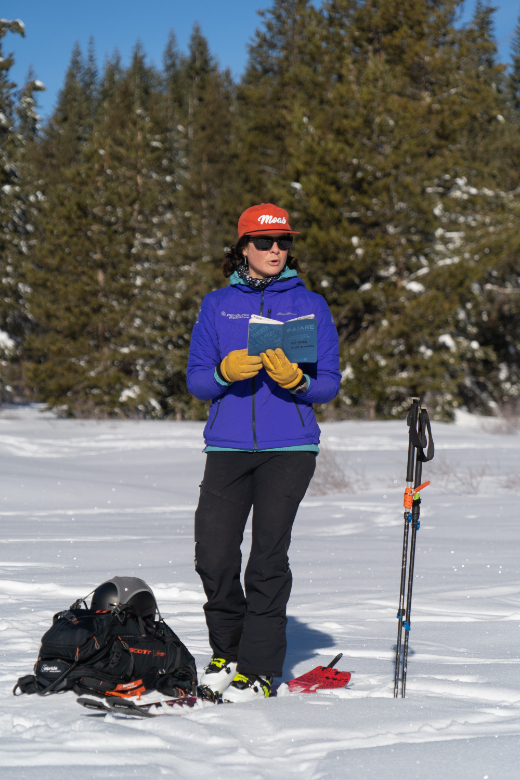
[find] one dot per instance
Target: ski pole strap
(430, 452)
(418, 437)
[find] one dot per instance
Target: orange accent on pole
(408, 498)
(409, 493)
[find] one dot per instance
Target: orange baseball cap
(265, 218)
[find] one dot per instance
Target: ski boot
(246, 687)
(218, 674)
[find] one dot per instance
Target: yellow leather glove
(287, 374)
(239, 365)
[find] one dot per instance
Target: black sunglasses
(265, 243)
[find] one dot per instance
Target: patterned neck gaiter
(256, 284)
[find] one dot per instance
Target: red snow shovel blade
(320, 677)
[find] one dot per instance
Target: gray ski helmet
(120, 591)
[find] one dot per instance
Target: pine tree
(9, 185)
(386, 137)
(514, 72)
(361, 177)
(126, 258)
(280, 79)
(113, 74)
(207, 127)
(487, 317)
(176, 285)
(90, 83)
(383, 128)
(83, 276)
(194, 213)
(483, 30)
(27, 212)
(18, 124)
(68, 129)
(197, 196)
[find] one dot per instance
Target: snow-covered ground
(82, 501)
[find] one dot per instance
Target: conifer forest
(388, 130)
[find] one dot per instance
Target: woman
(262, 441)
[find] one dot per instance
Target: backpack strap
(77, 604)
(169, 640)
(27, 684)
(151, 628)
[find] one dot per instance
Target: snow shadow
(303, 643)
(411, 651)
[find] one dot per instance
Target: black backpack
(112, 652)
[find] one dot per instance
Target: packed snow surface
(81, 501)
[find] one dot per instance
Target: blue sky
(53, 27)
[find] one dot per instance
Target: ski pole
(419, 440)
(416, 524)
(411, 421)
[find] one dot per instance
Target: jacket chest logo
(235, 316)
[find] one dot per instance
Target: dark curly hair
(234, 257)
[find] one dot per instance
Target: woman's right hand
(239, 365)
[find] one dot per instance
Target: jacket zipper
(216, 413)
(298, 409)
(255, 443)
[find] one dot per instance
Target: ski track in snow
(81, 501)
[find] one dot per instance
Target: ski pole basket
(419, 440)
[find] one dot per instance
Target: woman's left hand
(287, 374)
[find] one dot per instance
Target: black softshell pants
(249, 628)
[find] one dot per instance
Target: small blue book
(298, 337)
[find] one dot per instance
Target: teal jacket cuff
(307, 377)
(220, 380)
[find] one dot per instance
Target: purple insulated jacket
(257, 414)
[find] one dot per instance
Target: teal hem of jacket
(296, 448)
